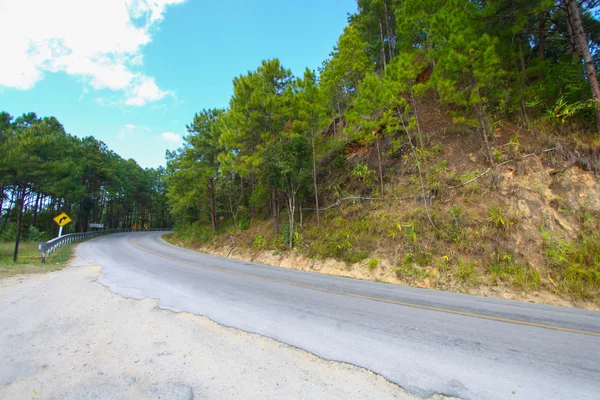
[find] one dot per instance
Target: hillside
(527, 230)
(451, 148)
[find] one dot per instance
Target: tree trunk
(212, 200)
(382, 45)
(1, 198)
(570, 30)
(484, 134)
(542, 39)
(418, 163)
(391, 36)
(36, 205)
(582, 43)
(341, 121)
(315, 179)
(233, 213)
(380, 167)
(19, 223)
(11, 204)
(484, 127)
(300, 210)
(275, 200)
(522, 59)
(252, 207)
(292, 212)
(414, 105)
(523, 80)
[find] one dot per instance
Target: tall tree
(258, 113)
(310, 106)
(374, 115)
(579, 34)
(343, 71)
(205, 147)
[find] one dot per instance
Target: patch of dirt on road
(65, 336)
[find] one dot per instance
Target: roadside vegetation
(29, 260)
(45, 171)
(451, 145)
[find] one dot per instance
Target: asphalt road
(426, 341)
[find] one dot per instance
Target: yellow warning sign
(62, 219)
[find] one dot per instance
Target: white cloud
(100, 41)
(145, 90)
(133, 130)
(174, 139)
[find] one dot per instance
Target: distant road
(426, 341)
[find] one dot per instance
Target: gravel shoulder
(65, 336)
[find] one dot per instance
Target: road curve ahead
(426, 341)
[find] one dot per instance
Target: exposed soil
(383, 273)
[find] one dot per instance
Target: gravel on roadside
(65, 336)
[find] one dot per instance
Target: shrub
(259, 242)
(503, 268)
(373, 263)
(339, 162)
(575, 264)
(495, 216)
(34, 234)
(466, 272)
(9, 234)
(364, 173)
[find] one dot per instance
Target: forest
(45, 171)
(353, 160)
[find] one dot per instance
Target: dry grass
(29, 259)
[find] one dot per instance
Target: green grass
(502, 268)
(466, 273)
(575, 265)
(29, 259)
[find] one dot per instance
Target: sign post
(61, 220)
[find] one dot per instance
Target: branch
(503, 163)
(338, 202)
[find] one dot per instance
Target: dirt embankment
(385, 273)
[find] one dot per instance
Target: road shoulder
(68, 337)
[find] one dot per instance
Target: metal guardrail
(49, 247)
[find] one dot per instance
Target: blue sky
(133, 72)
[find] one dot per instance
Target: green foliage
(34, 234)
(503, 267)
(347, 66)
(412, 266)
(563, 110)
(44, 170)
(576, 264)
(364, 173)
(498, 219)
(259, 242)
(339, 162)
(287, 142)
(9, 233)
(373, 264)
(466, 273)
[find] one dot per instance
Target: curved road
(426, 341)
